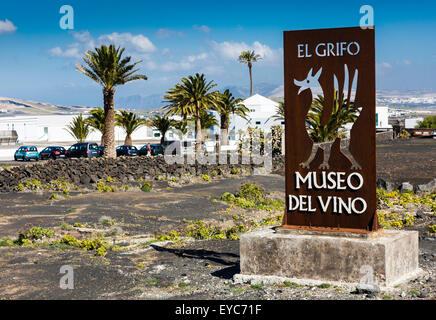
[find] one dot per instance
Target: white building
(412, 122)
(261, 110)
(382, 118)
(52, 129)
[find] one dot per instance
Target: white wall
(411, 123)
(382, 117)
(52, 129)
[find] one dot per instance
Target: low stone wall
(384, 136)
(88, 171)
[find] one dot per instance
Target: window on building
(156, 134)
(376, 119)
(257, 122)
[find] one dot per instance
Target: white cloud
(187, 63)
(386, 65)
(201, 56)
(136, 43)
(232, 50)
(166, 33)
(202, 28)
(7, 26)
(72, 52)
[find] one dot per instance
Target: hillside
(15, 107)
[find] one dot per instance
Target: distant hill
(15, 107)
(155, 101)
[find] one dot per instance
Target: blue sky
(178, 38)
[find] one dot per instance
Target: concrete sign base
(384, 259)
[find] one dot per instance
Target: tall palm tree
(175, 96)
(230, 105)
(129, 122)
(190, 97)
(280, 112)
(343, 112)
(248, 57)
(163, 124)
(96, 121)
(108, 68)
(79, 128)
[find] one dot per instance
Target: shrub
(146, 187)
(205, 177)
(235, 171)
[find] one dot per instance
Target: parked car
(128, 151)
(83, 150)
(52, 153)
(26, 153)
(156, 149)
(144, 150)
(101, 151)
(174, 146)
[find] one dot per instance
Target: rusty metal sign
(330, 130)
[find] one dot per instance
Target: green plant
(252, 196)
(432, 228)
(53, 196)
(324, 285)
(98, 244)
(403, 134)
(257, 286)
(205, 177)
(79, 128)
(102, 187)
(182, 284)
(235, 171)
(109, 179)
(66, 226)
(237, 291)
(146, 187)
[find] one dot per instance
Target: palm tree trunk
(102, 139)
(198, 130)
(251, 80)
(109, 123)
(162, 138)
(225, 129)
(128, 140)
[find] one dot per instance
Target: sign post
(329, 88)
(330, 223)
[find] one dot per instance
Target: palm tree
(163, 124)
(190, 97)
(280, 112)
(108, 68)
(182, 127)
(230, 105)
(129, 122)
(79, 128)
(343, 112)
(248, 57)
(207, 120)
(96, 121)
